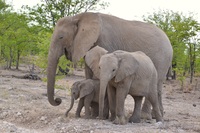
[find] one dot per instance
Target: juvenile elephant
(74, 36)
(92, 59)
(88, 93)
(128, 73)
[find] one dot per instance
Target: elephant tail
(72, 103)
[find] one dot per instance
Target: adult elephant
(74, 36)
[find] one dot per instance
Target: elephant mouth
(67, 54)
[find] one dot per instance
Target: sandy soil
(24, 109)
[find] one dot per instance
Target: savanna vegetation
(25, 35)
(183, 32)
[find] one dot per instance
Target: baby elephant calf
(88, 92)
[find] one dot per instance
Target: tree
(23, 34)
(47, 13)
(3, 6)
(182, 31)
(17, 38)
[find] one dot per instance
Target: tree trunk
(11, 58)
(192, 58)
(17, 61)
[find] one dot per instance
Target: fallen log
(28, 76)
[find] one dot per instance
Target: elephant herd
(121, 57)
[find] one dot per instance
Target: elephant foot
(78, 116)
(146, 116)
(134, 120)
(94, 115)
(153, 114)
(112, 118)
(87, 117)
(106, 116)
(101, 117)
(120, 120)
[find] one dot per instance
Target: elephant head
(92, 59)
(115, 66)
(73, 36)
(80, 89)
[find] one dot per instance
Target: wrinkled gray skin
(128, 73)
(88, 93)
(74, 36)
(92, 59)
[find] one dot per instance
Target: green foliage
(58, 77)
(17, 38)
(81, 63)
(64, 63)
(26, 35)
(183, 32)
(45, 17)
(47, 13)
(59, 87)
(43, 46)
(181, 76)
(3, 6)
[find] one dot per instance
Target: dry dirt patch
(24, 109)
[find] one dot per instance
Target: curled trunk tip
(55, 102)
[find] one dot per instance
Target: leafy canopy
(183, 32)
(48, 12)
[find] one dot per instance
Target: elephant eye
(61, 37)
(99, 67)
(113, 70)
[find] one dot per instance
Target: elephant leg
(121, 94)
(79, 108)
(159, 88)
(147, 113)
(159, 101)
(135, 118)
(87, 103)
(154, 101)
(146, 110)
(95, 109)
(112, 101)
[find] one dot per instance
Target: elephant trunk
(51, 73)
(71, 106)
(103, 86)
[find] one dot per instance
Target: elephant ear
(92, 59)
(86, 88)
(128, 65)
(87, 34)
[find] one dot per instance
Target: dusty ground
(24, 109)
